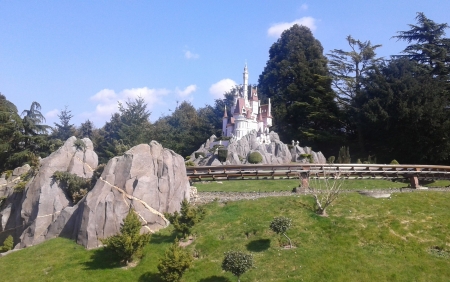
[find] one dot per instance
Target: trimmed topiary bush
(254, 158)
(237, 263)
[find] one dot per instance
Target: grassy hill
(405, 238)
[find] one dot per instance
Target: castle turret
(245, 90)
(224, 122)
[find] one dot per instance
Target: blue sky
(88, 55)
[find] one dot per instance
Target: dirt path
(206, 197)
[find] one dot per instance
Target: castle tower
(245, 74)
(225, 122)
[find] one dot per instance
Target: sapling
(237, 263)
(280, 225)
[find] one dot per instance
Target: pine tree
(184, 220)
(128, 245)
(175, 262)
(64, 130)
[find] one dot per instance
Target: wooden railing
(227, 172)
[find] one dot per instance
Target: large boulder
(148, 178)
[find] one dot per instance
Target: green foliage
(394, 162)
(189, 163)
(8, 244)
(237, 262)
(254, 158)
(64, 130)
(8, 174)
(19, 187)
(175, 262)
(86, 129)
(187, 158)
(331, 159)
(222, 154)
(128, 245)
(79, 145)
(307, 156)
(344, 155)
(198, 154)
(75, 186)
(216, 147)
(296, 78)
(24, 179)
(97, 174)
(184, 220)
(280, 225)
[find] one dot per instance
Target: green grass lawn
(404, 238)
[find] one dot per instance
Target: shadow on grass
(258, 245)
(102, 259)
(150, 277)
(215, 279)
(159, 238)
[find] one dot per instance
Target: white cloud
(107, 101)
(189, 55)
(187, 91)
(276, 29)
(219, 88)
(51, 114)
(304, 7)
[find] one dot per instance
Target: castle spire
(225, 112)
(245, 82)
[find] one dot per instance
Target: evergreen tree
(175, 262)
(296, 79)
(64, 130)
(405, 114)
(86, 129)
(10, 124)
(128, 245)
(429, 47)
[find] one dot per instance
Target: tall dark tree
(296, 78)
(10, 125)
(86, 129)
(427, 44)
(127, 128)
(33, 119)
(64, 130)
(348, 69)
(406, 115)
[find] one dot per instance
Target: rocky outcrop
(148, 178)
(28, 214)
(275, 152)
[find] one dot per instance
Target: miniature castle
(248, 114)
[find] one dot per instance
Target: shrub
(76, 187)
(79, 145)
(96, 175)
(222, 155)
(189, 163)
(128, 245)
(20, 186)
(198, 154)
(331, 159)
(8, 244)
(344, 155)
(175, 262)
(184, 220)
(254, 158)
(237, 262)
(187, 158)
(280, 225)
(216, 147)
(394, 162)
(24, 179)
(307, 156)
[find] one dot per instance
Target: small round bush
(222, 155)
(254, 158)
(237, 262)
(198, 154)
(394, 162)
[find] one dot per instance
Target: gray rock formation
(275, 152)
(148, 178)
(29, 213)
